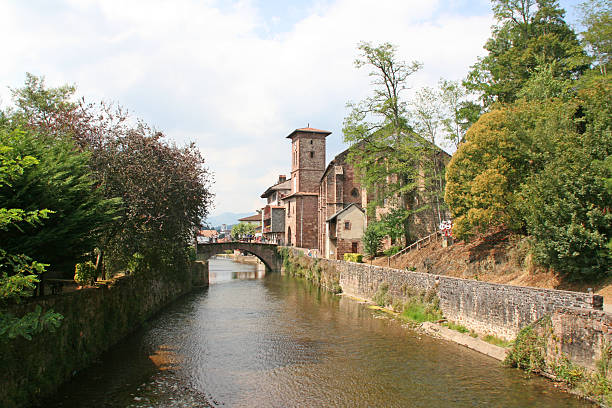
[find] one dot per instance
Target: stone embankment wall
(94, 320)
(580, 328)
(582, 335)
(487, 308)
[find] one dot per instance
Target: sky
(236, 77)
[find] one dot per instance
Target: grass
(497, 341)
(457, 327)
(460, 328)
(420, 312)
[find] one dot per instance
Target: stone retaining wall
(487, 308)
(94, 320)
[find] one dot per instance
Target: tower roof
(309, 130)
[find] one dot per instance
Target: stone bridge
(265, 252)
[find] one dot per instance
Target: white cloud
(202, 70)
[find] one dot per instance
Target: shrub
(457, 327)
(497, 341)
(392, 251)
(528, 351)
(192, 253)
(135, 263)
(372, 238)
(380, 297)
(353, 257)
(420, 312)
(85, 273)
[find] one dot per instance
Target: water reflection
(273, 341)
(224, 270)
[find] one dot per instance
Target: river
(257, 340)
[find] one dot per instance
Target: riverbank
(94, 319)
(437, 330)
(576, 340)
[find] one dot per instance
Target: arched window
(355, 192)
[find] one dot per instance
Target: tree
(384, 150)
(567, 205)
(372, 238)
(528, 34)
(62, 182)
(538, 168)
(597, 19)
(165, 189)
(243, 230)
(428, 116)
(459, 113)
(19, 273)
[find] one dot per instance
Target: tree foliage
(597, 19)
(164, 189)
(538, 167)
(372, 238)
(19, 273)
(243, 229)
(62, 182)
(529, 34)
(384, 150)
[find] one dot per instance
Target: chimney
(282, 178)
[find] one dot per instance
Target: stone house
(339, 190)
(273, 227)
(343, 232)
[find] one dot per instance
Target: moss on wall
(323, 274)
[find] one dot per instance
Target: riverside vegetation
(532, 125)
(530, 353)
(85, 184)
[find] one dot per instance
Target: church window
(355, 193)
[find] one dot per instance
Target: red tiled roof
(208, 233)
(309, 130)
(256, 217)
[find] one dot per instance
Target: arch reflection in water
(223, 270)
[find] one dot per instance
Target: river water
(257, 340)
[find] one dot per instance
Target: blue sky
(235, 77)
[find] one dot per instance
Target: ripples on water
(253, 340)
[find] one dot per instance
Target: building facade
(340, 231)
(301, 204)
(322, 207)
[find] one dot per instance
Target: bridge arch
(267, 253)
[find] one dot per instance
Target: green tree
(19, 273)
(243, 229)
(384, 150)
(62, 182)
(567, 204)
(529, 34)
(459, 112)
(165, 189)
(428, 116)
(372, 238)
(597, 19)
(538, 167)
